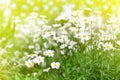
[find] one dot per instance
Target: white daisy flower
(38, 59)
(49, 53)
(63, 46)
(31, 46)
(55, 65)
(108, 46)
(29, 63)
(72, 29)
(57, 39)
(56, 25)
(77, 30)
(107, 37)
(63, 38)
(84, 36)
(48, 34)
(37, 46)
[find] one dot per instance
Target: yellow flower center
(49, 53)
(39, 59)
(55, 64)
(29, 63)
(107, 37)
(77, 30)
(84, 36)
(49, 32)
(57, 38)
(107, 46)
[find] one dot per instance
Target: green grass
(80, 64)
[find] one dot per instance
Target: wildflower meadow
(59, 40)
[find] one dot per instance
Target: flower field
(59, 40)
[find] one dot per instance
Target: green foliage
(77, 65)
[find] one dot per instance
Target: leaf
(17, 77)
(40, 72)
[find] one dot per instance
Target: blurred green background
(51, 9)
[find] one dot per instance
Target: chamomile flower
(57, 39)
(29, 63)
(49, 53)
(108, 46)
(55, 65)
(31, 46)
(48, 34)
(77, 30)
(72, 29)
(107, 37)
(63, 38)
(37, 46)
(84, 36)
(38, 59)
(56, 25)
(63, 46)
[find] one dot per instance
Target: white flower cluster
(69, 34)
